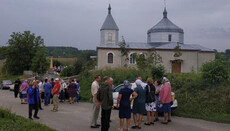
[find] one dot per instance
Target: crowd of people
(51, 91)
(145, 98)
(149, 99)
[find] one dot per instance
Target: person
(77, 91)
(51, 96)
(123, 103)
(96, 104)
(41, 89)
(47, 88)
(105, 97)
(33, 101)
(23, 91)
(166, 99)
(55, 93)
(17, 84)
(139, 105)
(150, 103)
(66, 91)
(72, 91)
(62, 91)
(158, 102)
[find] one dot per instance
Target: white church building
(162, 37)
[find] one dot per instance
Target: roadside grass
(66, 61)
(13, 122)
(12, 77)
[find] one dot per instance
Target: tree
(39, 62)
(21, 50)
(227, 53)
(3, 52)
(124, 51)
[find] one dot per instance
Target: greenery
(67, 52)
(215, 72)
(158, 72)
(197, 99)
(12, 122)
(39, 62)
(22, 49)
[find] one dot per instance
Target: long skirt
(23, 95)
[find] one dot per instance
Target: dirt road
(77, 117)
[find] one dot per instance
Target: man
(166, 99)
(51, 96)
(96, 104)
(55, 93)
(105, 97)
(17, 84)
(47, 88)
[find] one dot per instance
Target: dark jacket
(150, 93)
(105, 96)
(31, 93)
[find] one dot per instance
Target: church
(164, 38)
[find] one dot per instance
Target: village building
(163, 38)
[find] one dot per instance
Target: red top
(56, 88)
(165, 93)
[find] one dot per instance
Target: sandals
(148, 124)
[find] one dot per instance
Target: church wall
(163, 37)
(102, 60)
(204, 57)
(189, 60)
(105, 38)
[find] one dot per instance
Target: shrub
(68, 71)
(157, 72)
(215, 72)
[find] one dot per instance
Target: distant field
(66, 61)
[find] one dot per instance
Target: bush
(68, 71)
(157, 72)
(215, 72)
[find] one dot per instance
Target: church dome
(165, 25)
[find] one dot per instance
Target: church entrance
(176, 66)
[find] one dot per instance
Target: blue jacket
(47, 87)
(31, 95)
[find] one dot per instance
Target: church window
(132, 59)
(110, 58)
(169, 37)
(109, 36)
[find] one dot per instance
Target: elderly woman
(33, 101)
(139, 105)
(23, 91)
(150, 104)
(158, 102)
(72, 92)
(166, 99)
(123, 103)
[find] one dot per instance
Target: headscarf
(126, 84)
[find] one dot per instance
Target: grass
(13, 122)
(12, 77)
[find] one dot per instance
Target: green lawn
(12, 122)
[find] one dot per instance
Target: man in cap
(55, 93)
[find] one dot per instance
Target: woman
(139, 105)
(123, 103)
(62, 94)
(33, 102)
(158, 102)
(72, 92)
(23, 91)
(150, 104)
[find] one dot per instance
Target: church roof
(157, 46)
(109, 23)
(165, 25)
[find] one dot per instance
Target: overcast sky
(77, 23)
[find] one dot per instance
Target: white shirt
(94, 87)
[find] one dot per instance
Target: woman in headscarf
(123, 103)
(23, 91)
(139, 105)
(72, 91)
(150, 104)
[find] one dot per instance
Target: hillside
(66, 52)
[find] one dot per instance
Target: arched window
(110, 58)
(132, 60)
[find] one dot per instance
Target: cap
(56, 79)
